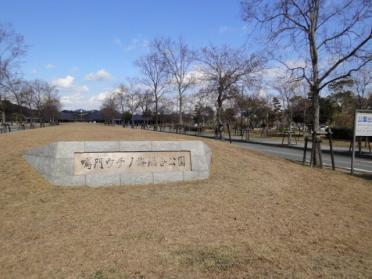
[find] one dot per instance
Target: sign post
(362, 128)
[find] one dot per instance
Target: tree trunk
(316, 128)
(180, 109)
(267, 125)
(3, 117)
(304, 124)
(156, 113)
(39, 115)
(219, 128)
(290, 126)
(314, 87)
(31, 118)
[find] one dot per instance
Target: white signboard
(363, 124)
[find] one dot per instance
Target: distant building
(81, 115)
(140, 119)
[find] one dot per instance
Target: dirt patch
(257, 216)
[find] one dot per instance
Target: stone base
(56, 162)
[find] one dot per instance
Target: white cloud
(81, 89)
(75, 69)
(99, 75)
(50, 66)
(273, 73)
(196, 73)
(226, 29)
(80, 101)
(67, 100)
(66, 85)
(295, 63)
(281, 70)
(99, 97)
(65, 82)
(75, 101)
(135, 43)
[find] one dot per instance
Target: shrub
(342, 133)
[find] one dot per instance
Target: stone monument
(106, 163)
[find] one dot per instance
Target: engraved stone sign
(121, 162)
(106, 163)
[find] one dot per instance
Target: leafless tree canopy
(330, 39)
(12, 47)
(178, 59)
(145, 101)
(223, 69)
(155, 75)
(361, 82)
(120, 97)
(109, 107)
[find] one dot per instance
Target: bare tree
(144, 103)
(287, 90)
(13, 87)
(29, 98)
(39, 89)
(361, 82)
(330, 37)
(109, 107)
(12, 47)
(132, 101)
(155, 76)
(223, 69)
(51, 103)
(120, 99)
(178, 59)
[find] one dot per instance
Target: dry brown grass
(257, 216)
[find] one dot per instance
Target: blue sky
(88, 47)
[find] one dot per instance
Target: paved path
(295, 152)
(341, 161)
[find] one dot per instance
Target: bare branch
(346, 57)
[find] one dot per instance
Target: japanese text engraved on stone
(86, 163)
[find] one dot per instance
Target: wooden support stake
(305, 151)
(228, 130)
(331, 148)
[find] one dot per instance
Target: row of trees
(217, 74)
(34, 98)
(321, 44)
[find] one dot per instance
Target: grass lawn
(257, 216)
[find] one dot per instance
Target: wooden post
(312, 151)
(228, 130)
(305, 151)
(319, 148)
(331, 148)
(247, 134)
(353, 146)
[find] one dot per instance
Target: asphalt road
(361, 165)
(341, 161)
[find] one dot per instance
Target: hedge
(342, 133)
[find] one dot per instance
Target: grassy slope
(256, 216)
